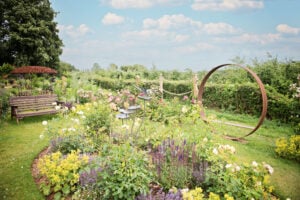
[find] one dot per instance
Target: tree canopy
(28, 33)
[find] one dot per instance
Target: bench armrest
(14, 110)
(60, 103)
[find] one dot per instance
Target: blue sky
(176, 34)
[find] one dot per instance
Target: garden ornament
(262, 90)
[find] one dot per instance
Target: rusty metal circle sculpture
(262, 90)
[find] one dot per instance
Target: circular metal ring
(262, 90)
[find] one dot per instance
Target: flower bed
(102, 159)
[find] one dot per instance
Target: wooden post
(195, 86)
(161, 87)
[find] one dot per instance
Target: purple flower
(89, 178)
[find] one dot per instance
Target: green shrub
(5, 69)
(125, 175)
(289, 148)
(4, 102)
(240, 181)
(98, 119)
(62, 173)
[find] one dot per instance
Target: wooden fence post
(195, 86)
(161, 87)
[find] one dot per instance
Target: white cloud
(146, 34)
(256, 38)
(74, 32)
(201, 46)
(140, 4)
(123, 4)
(181, 38)
(111, 18)
(219, 28)
(284, 28)
(247, 38)
(171, 21)
(155, 36)
(224, 5)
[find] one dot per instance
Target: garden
(120, 134)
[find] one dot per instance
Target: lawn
(20, 144)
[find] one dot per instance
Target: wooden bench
(25, 106)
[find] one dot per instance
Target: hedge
(239, 98)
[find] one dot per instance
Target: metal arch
(262, 90)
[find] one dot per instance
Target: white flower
(184, 109)
(83, 117)
(227, 147)
(41, 136)
(269, 168)
(45, 123)
(80, 112)
(71, 129)
(215, 151)
(237, 168)
(73, 108)
(57, 107)
(258, 183)
(184, 190)
(125, 126)
(254, 164)
(228, 165)
(205, 139)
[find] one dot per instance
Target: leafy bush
(289, 148)
(173, 164)
(125, 174)
(5, 69)
(97, 120)
(62, 173)
(240, 181)
(4, 102)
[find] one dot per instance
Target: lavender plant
(173, 165)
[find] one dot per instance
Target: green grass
(260, 147)
(20, 144)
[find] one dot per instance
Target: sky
(177, 34)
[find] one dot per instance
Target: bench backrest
(41, 102)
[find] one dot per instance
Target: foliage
(64, 68)
(126, 173)
(5, 69)
(122, 99)
(289, 148)
(80, 132)
(4, 102)
(239, 181)
(28, 34)
(276, 74)
(173, 165)
(98, 120)
(195, 194)
(62, 173)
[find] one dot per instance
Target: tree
(96, 67)
(64, 68)
(28, 34)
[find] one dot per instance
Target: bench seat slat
(25, 106)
